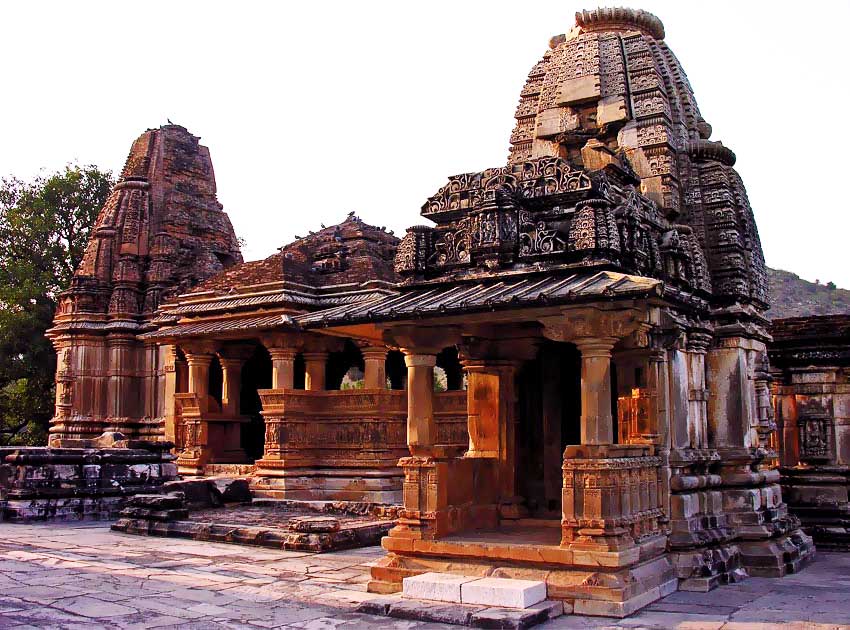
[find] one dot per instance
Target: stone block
(578, 90)
(377, 606)
(611, 109)
(508, 618)
(232, 490)
(428, 611)
(556, 120)
(314, 524)
(441, 587)
(503, 592)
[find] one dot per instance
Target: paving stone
(508, 618)
(503, 592)
(428, 611)
(92, 607)
(377, 606)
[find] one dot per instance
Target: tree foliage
(44, 228)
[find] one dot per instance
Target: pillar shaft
(597, 425)
(315, 363)
(375, 360)
(199, 374)
(283, 368)
(421, 428)
(231, 384)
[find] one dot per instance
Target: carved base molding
(591, 590)
(373, 486)
(818, 496)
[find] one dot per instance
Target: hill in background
(791, 296)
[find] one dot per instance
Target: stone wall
(42, 484)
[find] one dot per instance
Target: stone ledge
(464, 614)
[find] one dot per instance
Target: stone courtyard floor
(83, 576)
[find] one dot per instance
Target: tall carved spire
(161, 231)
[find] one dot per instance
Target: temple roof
(350, 252)
(489, 295)
(339, 265)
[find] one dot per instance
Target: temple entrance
(256, 375)
(548, 419)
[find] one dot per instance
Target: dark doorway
(549, 418)
(396, 369)
(256, 375)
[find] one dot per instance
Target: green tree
(44, 228)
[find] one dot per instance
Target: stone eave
(489, 295)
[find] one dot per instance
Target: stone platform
(306, 526)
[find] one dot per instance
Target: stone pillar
(730, 407)
(199, 374)
(283, 367)
(421, 428)
(315, 363)
(171, 388)
(597, 425)
(231, 384)
(375, 360)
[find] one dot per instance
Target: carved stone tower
(161, 231)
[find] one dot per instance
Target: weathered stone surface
(504, 593)
(232, 490)
(443, 587)
(419, 610)
(197, 493)
(508, 619)
(314, 524)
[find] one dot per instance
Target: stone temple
(593, 311)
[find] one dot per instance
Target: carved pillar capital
(416, 359)
(283, 354)
(576, 324)
(198, 360)
(199, 348)
(282, 340)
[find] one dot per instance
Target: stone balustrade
(349, 428)
(610, 496)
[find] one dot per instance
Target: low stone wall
(294, 525)
(43, 484)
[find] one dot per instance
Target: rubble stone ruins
(563, 377)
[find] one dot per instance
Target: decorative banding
(710, 150)
(620, 18)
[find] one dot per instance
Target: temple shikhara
(562, 374)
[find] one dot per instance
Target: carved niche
(816, 436)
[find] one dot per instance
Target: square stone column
(375, 374)
(283, 367)
(421, 428)
(231, 384)
(597, 424)
(315, 363)
(199, 374)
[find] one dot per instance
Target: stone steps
(479, 602)
(485, 591)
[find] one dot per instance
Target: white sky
(313, 109)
